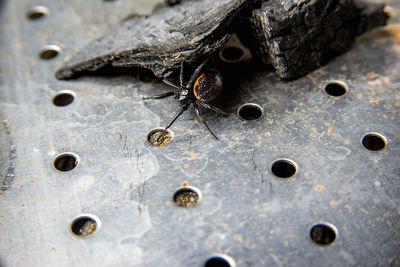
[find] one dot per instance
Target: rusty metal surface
(127, 185)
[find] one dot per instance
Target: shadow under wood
(140, 74)
(235, 77)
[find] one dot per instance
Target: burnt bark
(186, 32)
(297, 37)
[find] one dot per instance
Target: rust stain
(364, 210)
(359, 96)
(238, 237)
(385, 80)
(375, 100)
(194, 155)
(315, 133)
(319, 188)
(333, 203)
(53, 248)
(186, 166)
(383, 89)
(185, 184)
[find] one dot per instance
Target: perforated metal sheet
(245, 211)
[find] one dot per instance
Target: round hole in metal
(187, 197)
(63, 98)
(37, 12)
(284, 168)
(231, 54)
(84, 225)
(250, 111)
(159, 137)
(374, 142)
(220, 261)
(66, 162)
(49, 52)
(323, 234)
(336, 88)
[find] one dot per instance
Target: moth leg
(172, 84)
(181, 75)
(196, 108)
(196, 74)
(176, 116)
(159, 96)
(204, 104)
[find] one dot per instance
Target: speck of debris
(160, 138)
(88, 228)
(186, 199)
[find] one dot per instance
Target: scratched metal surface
(245, 211)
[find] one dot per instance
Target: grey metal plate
(245, 211)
